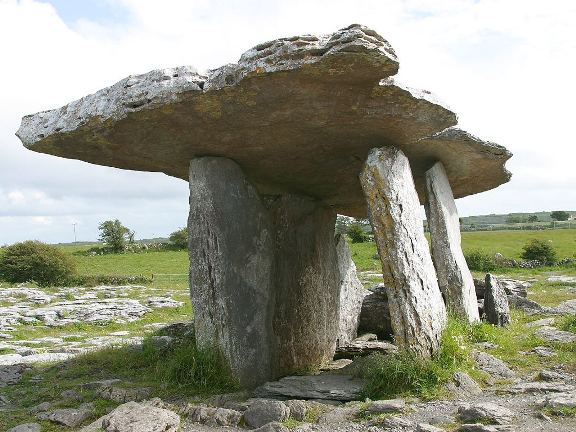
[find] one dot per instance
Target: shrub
(356, 233)
(480, 261)
(560, 215)
(36, 261)
(179, 239)
(539, 250)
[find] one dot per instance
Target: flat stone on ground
(485, 412)
(552, 334)
(324, 386)
(263, 411)
(493, 366)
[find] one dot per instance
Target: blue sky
(506, 67)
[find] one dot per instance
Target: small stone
(336, 416)
(121, 395)
(387, 406)
(425, 427)
(395, 422)
(70, 417)
(543, 351)
(550, 375)
(476, 427)
(71, 394)
(540, 386)
(214, 416)
(263, 411)
(26, 427)
(485, 345)
(463, 385)
(561, 400)
(297, 409)
(541, 322)
(493, 366)
(272, 427)
(133, 417)
(486, 412)
(11, 374)
(41, 407)
(552, 334)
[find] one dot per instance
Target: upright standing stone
(454, 277)
(352, 294)
(306, 284)
(417, 310)
(496, 308)
(264, 275)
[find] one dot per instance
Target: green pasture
(508, 243)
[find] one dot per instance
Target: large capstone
(417, 310)
(352, 294)
(277, 115)
(454, 277)
(264, 274)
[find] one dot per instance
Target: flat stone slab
(552, 334)
(360, 348)
(278, 115)
(325, 386)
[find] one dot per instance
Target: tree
(179, 238)
(532, 218)
(356, 233)
(560, 215)
(36, 261)
(540, 251)
(115, 235)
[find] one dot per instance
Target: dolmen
(274, 147)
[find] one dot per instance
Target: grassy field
(508, 243)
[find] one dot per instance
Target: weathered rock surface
(263, 411)
(529, 306)
(561, 400)
(265, 289)
(375, 313)
(361, 348)
(386, 406)
(352, 293)
(541, 387)
(122, 395)
(70, 417)
(11, 374)
(270, 100)
(496, 309)
(511, 286)
(493, 366)
(417, 310)
(324, 386)
(297, 408)
(552, 334)
(463, 385)
(454, 277)
(214, 416)
(136, 417)
(26, 427)
(485, 412)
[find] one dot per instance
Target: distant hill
(496, 219)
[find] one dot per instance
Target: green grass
(173, 373)
(405, 374)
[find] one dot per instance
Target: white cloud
(506, 67)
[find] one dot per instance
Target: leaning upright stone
(352, 294)
(454, 277)
(417, 310)
(496, 308)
